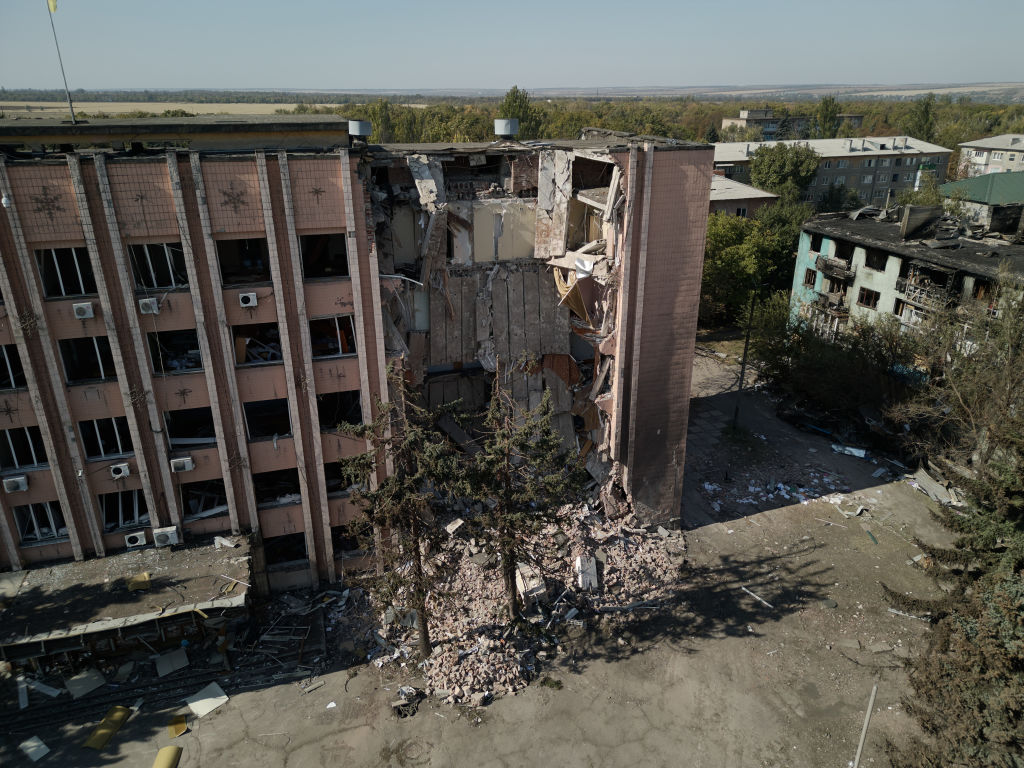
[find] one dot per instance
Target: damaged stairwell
(511, 259)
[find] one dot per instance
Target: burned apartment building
(191, 308)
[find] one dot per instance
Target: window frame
(32, 446)
(338, 336)
(77, 253)
(139, 520)
(8, 368)
(104, 374)
(118, 423)
(168, 249)
(50, 508)
(864, 292)
(810, 277)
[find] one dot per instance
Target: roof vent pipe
(506, 127)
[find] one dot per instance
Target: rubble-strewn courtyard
(762, 632)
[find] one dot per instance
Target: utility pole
(51, 9)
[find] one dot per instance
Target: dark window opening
(22, 447)
(257, 343)
(337, 483)
(124, 509)
(40, 522)
(190, 428)
(324, 256)
(353, 539)
(868, 298)
(267, 419)
(810, 277)
(875, 260)
(65, 272)
(102, 438)
(175, 351)
(335, 408)
(277, 488)
(816, 242)
(243, 261)
(159, 265)
(12, 374)
(285, 550)
(87, 359)
(206, 498)
(844, 251)
(332, 336)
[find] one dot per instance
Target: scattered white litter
(332, 705)
(34, 748)
(207, 700)
(83, 683)
(171, 662)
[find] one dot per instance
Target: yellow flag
(53, 5)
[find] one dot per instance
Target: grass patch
(550, 682)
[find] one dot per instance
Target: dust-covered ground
(719, 679)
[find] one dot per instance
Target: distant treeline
(204, 96)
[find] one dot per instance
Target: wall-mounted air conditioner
(247, 300)
(164, 537)
(149, 306)
(184, 464)
(135, 539)
(16, 483)
(83, 310)
(120, 471)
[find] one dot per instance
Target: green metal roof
(990, 189)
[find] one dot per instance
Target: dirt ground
(720, 680)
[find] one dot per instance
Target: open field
(59, 109)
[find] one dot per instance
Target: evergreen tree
(383, 131)
(711, 135)
(827, 118)
(516, 104)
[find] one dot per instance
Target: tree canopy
(785, 169)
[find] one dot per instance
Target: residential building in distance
(876, 168)
(863, 268)
(992, 201)
(769, 124)
(736, 199)
(192, 306)
(995, 154)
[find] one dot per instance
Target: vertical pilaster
(623, 314)
(7, 535)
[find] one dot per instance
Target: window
(159, 265)
(324, 256)
(1011, 157)
(884, 162)
(40, 522)
(909, 160)
(897, 162)
(22, 447)
(65, 272)
(840, 181)
(12, 375)
(87, 359)
(997, 155)
(206, 498)
(741, 212)
(267, 419)
(862, 195)
(190, 428)
(243, 261)
(810, 278)
(868, 298)
(908, 177)
(276, 488)
(175, 351)
(869, 162)
(881, 192)
(814, 182)
(825, 181)
(816, 241)
(875, 260)
(332, 336)
(104, 438)
(257, 343)
(867, 178)
(124, 509)
(336, 482)
(979, 153)
(842, 164)
(336, 408)
(827, 164)
(895, 178)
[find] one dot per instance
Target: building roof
(979, 257)
(1003, 141)
(740, 151)
(989, 188)
(727, 189)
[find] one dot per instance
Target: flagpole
(67, 91)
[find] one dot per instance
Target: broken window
(267, 419)
(12, 374)
(810, 278)
(290, 549)
(337, 483)
(324, 256)
(868, 298)
(206, 498)
(332, 336)
(65, 272)
(175, 351)
(22, 447)
(124, 509)
(875, 260)
(816, 242)
(190, 428)
(351, 540)
(87, 359)
(335, 408)
(844, 250)
(40, 522)
(243, 261)
(159, 265)
(277, 488)
(103, 438)
(256, 343)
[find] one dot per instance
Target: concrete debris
(930, 486)
(207, 699)
(849, 450)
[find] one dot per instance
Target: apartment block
(995, 154)
(736, 199)
(192, 307)
(770, 124)
(876, 168)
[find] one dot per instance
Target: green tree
(383, 130)
(921, 122)
(785, 169)
(711, 135)
(826, 119)
(516, 104)
(522, 476)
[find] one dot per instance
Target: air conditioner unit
(164, 537)
(16, 483)
(83, 310)
(120, 471)
(184, 464)
(247, 300)
(135, 539)
(149, 306)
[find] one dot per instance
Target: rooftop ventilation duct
(506, 127)
(360, 129)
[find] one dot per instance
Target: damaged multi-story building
(191, 308)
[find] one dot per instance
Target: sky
(318, 44)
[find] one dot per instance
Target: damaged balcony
(278, 488)
(835, 267)
(190, 428)
(256, 344)
(175, 352)
(243, 262)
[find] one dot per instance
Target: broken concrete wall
(554, 191)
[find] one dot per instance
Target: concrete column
(623, 315)
(8, 536)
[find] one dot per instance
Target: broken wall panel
(554, 189)
(503, 230)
